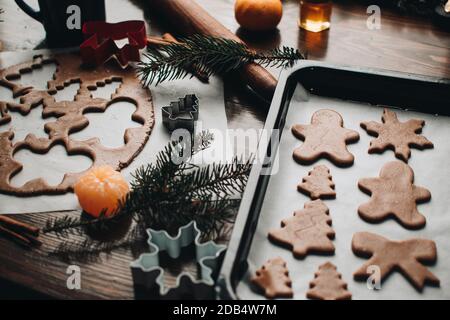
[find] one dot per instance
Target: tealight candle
(100, 191)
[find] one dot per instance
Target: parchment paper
(212, 116)
(432, 171)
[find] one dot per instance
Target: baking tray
(358, 94)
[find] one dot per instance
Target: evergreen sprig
(210, 55)
(422, 7)
(164, 195)
(1, 12)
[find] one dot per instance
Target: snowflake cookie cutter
(181, 114)
(148, 273)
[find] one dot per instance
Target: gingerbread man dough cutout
(394, 195)
(396, 135)
(404, 256)
(326, 138)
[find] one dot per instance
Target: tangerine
(100, 191)
(258, 15)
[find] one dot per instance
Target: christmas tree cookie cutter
(148, 273)
(181, 114)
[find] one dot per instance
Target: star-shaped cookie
(396, 135)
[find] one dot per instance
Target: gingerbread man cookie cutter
(181, 114)
(148, 273)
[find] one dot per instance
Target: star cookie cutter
(147, 272)
(99, 45)
(181, 114)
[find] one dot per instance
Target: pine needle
(164, 195)
(211, 55)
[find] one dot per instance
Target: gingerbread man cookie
(396, 135)
(328, 284)
(393, 194)
(308, 231)
(326, 138)
(318, 184)
(404, 256)
(273, 278)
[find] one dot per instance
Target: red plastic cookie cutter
(99, 45)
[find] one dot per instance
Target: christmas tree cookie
(328, 284)
(318, 184)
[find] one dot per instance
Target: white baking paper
(109, 127)
(432, 171)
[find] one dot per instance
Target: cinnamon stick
(18, 225)
(189, 18)
(22, 240)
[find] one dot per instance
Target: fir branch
(420, 7)
(211, 55)
(89, 250)
(1, 12)
(164, 195)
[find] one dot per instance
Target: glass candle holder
(315, 15)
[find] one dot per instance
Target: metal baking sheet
(297, 98)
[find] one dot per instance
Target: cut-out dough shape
(100, 123)
(105, 91)
(38, 78)
(32, 123)
(393, 194)
(273, 279)
(325, 137)
(70, 118)
(54, 164)
(328, 284)
(308, 231)
(405, 256)
(396, 135)
(318, 184)
(68, 93)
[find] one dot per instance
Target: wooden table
(408, 44)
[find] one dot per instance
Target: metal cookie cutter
(147, 272)
(181, 114)
(99, 45)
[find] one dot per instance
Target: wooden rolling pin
(187, 17)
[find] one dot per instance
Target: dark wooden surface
(404, 43)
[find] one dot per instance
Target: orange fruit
(258, 15)
(100, 190)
